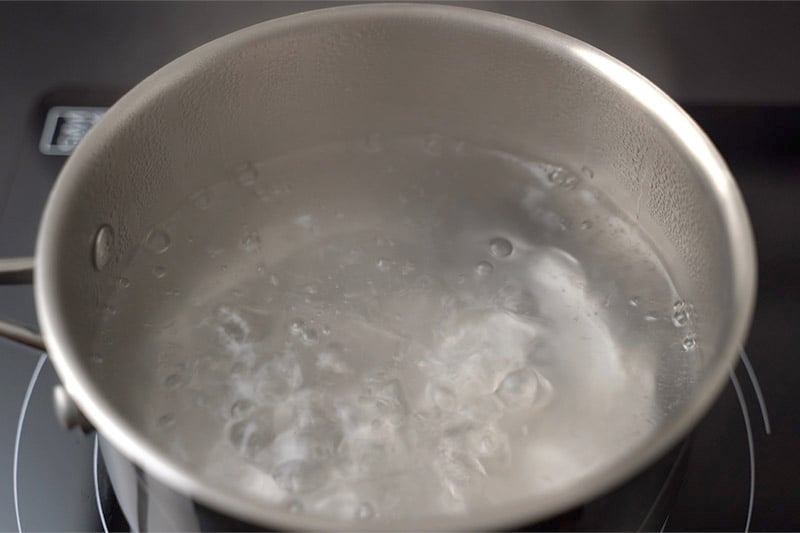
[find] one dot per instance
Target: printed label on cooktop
(65, 126)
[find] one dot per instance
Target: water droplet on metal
(296, 326)
(310, 289)
(651, 317)
(310, 336)
(250, 241)
(680, 318)
(634, 302)
(124, 283)
(588, 172)
(165, 421)
(384, 265)
(174, 381)
(689, 343)
(586, 224)
(201, 199)
(158, 241)
(484, 268)
(159, 271)
(103, 245)
(500, 247)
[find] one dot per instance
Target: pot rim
(684, 132)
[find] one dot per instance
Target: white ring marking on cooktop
(756, 387)
(97, 489)
(746, 416)
(25, 401)
(664, 525)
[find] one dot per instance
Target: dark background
(734, 66)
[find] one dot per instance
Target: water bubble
(680, 318)
(159, 271)
(679, 305)
(651, 317)
(250, 241)
(365, 511)
(273, 280)
(586, 224)
(384, 265)
(588, 172)
(299, 476)
(569, 182)
(689, 343)
(556, 175)
(326, 330)
(500, 247)
(124, 283)
(165, 421)
(241, 408)
(250, 436)
(443, 397)
(519, 387)
(487, 445)
(634, 302)
(484, 268)
(231, 325)
(158, 241)
(310, 336)
(296, 327)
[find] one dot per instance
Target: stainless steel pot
(344, 73)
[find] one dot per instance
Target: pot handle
(19, 271)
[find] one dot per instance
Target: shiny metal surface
(67, 413)
(18, 270)
(345, 73)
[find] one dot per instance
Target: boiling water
(397, 326)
